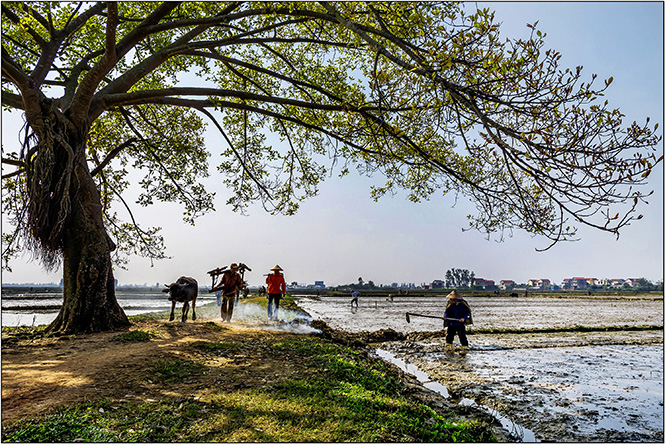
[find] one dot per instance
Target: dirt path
(45, 373)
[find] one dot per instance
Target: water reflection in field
(41, 308)
(606, 393)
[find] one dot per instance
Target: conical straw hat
(453, 295)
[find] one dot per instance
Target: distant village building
(633, 282)
(583, 283)
(601, 282)
(617, 283)
(539, 284)
(410, 285)
(485, 284)
(576, 283)
(437, 284)
(297, 286)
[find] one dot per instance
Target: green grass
(135, 336)
(335, 394)
(215, 326)
(217, 346)
(174, 370)
(12, 335)
(288, 302)
(105, 421)
(147, 317)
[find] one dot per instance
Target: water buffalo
(185, 289)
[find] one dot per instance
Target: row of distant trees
(456, 277)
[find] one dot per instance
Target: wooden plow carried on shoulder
(217, 272)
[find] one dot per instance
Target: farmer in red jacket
(276, 290)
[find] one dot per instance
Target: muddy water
(559, 392)
(488, 312)
(564, 386)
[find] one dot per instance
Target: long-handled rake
(408, 317)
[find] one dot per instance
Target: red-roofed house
(484, 283)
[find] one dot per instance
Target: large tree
(424, 93)
(456, 277)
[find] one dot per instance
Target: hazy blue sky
(342, 234)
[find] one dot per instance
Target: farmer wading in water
(456, 316)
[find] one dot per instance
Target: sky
(342, 234)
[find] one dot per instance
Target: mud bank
(604, 387)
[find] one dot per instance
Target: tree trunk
(89, 302)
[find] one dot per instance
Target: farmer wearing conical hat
(276, 290)
(456, 316)
(230, 284)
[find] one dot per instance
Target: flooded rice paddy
(568, 385)
(376, 313)
(28, 309)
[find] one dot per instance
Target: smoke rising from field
(254, 315)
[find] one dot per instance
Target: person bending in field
(354, 298)
(456, 316)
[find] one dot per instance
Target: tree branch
(8, 13)
(88, 86)
(113, 153)
(12, 100)
(13, 72)
(111, 28)
(112, 100)
(146, 142)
